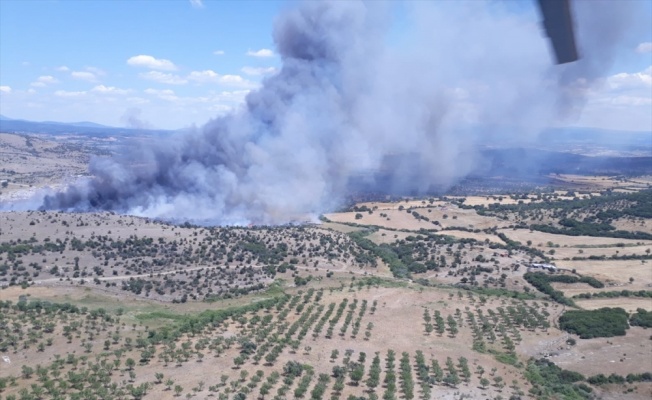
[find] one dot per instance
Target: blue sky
(173, 63)
(94, 60)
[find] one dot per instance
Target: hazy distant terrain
(503, 162)
(88, 129)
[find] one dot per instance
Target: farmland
(431, 298)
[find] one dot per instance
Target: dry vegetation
(432, 298)
(31, 162)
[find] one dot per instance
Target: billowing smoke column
(351, 93)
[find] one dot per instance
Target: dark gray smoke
(351, 95)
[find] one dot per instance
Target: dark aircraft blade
(558, 21)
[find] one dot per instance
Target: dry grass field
(606, 356)
(606, 182)
(629, 304)
(512, 200)
(32, 162)
(420, 298)
(550, 240)
(644, 225)
(617, 272)
(563, 253)
(445, 216)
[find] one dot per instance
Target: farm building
(549, 267)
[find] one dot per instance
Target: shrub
(604, 322)
(550, 381)
(542, 283)
(641, 318)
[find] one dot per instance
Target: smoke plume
(132, 119)
(356, 89)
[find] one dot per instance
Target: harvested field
(606, 251)
(386, 236)
(606, 182)
(488, 200)
(450, 216)
(627, 224)
(632, 353)
(618, 272)
(630, 304)
(541, 239)
(479, 236)
(340, 227)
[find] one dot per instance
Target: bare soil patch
(631, 353)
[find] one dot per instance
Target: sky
(177, 63)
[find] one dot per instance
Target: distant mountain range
(587, 141)
(10, 125)
(83, 124)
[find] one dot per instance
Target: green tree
(452, 380)
(484, 382)
(357, 373)
(239, 361)
(27, 371)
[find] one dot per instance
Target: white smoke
(352, 93)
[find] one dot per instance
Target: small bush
(641, 318)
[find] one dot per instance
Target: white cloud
(109, 90)
(5, 89)
(158, 91)
(631, 101)
(96, 71)
(636, 80)
(622, 103)
(44, 80)
(197, 3)
(204, 76)
(221, 109)
(152, 63)
(645, 47)
(47, 79)
(161, 77)
(219, 52)
(63, 68)
(137, 100)
(165, 94)
(237, 80)
(258, 71)
(64, 93)
(209, 76)
(260, 53)
(235, 96)
(84, 76)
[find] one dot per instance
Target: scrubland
(429, 298)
